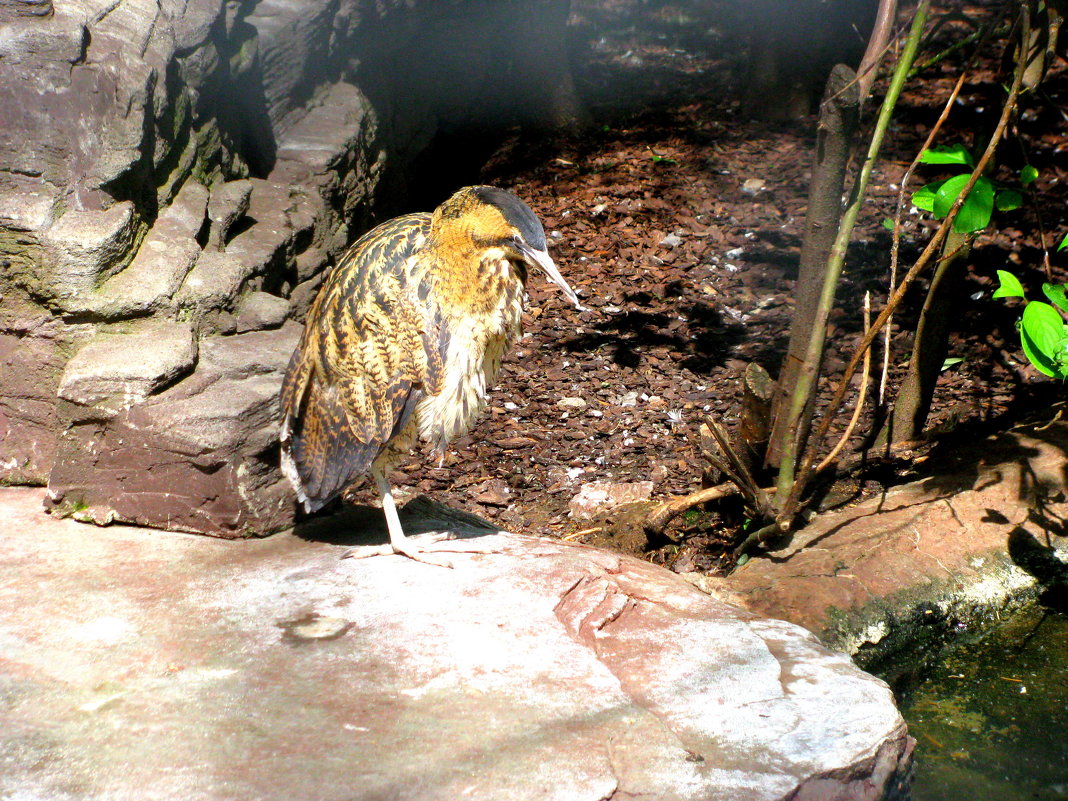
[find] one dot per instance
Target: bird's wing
(372, 346)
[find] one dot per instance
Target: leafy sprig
(1043, 334)
(938, 197)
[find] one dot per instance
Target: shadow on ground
(358, 525)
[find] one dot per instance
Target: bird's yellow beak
(544, 260)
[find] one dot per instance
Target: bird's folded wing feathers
(371, 348)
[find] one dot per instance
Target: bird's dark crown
(493, 214)
(516, 212)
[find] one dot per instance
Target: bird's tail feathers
(289, 465)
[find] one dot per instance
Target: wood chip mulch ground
(678, 220)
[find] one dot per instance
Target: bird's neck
(471, 278)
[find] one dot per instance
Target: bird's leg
(398, 542)
(397, 539)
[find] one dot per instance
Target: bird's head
(493, 218)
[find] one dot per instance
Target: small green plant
(1043, 334)
(658, 159)
(938, 197)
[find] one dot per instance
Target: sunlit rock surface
(140, 664)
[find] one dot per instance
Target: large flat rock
(142, 664)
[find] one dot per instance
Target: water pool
(991, 718)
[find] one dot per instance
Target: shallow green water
(991, 720)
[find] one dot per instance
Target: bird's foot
(420, 550)
(412, 552)
(421, 554)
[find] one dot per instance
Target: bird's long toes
(426, 548)
(418, 554)
(367, 551)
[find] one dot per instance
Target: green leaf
(1064, 243)
(888, 224)
(947, 194)
(1042, 337)
(1008, 200)
(1055, 293)
(1028, 175)
(924, 197)
(947, 154)
(1009, 287)
(975, 214)
(951, 363)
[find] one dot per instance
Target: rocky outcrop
(198, 455)
(532, 669)
(176, 174)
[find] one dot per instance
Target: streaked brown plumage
(404, 339)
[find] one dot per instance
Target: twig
(757, 537)
(953, 48)
(896, 241)
(720, 461)
(739, 471)
(878, 44)
(1037, 208)
(981, 35)
(866, 374)
(574, 535)
(658, 519)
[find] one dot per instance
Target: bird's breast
(477, 341)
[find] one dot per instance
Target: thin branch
(878, 44)
(896, 241)
(658, 519)
(865, 375)
(953, 48)
(757, 537)
(739, 472)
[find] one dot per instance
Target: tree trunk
(792, 48)
(837, 126)
(913, 402)
(552, 101)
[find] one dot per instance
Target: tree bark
(758, 395)
(929, 349)
(837, 127)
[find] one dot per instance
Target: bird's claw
(366, 551)
(415, 554)
(416, 551)
(420, 555)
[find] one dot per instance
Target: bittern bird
(403, 340)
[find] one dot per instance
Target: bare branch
(878, 43)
